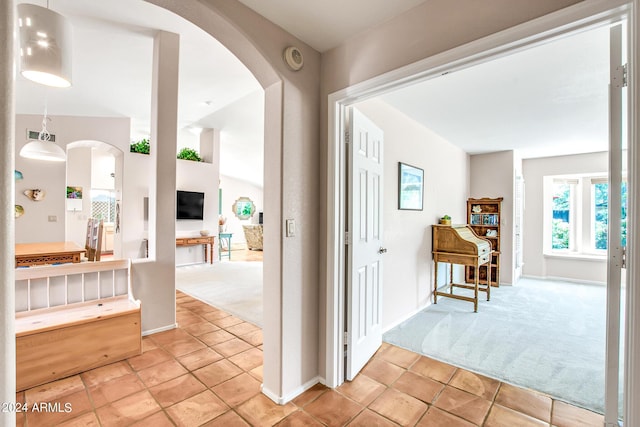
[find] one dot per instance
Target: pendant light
(45, 45)
(42, 148)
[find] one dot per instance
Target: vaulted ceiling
(552, 97)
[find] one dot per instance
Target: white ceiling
(112, 60)
(548, 100)
(551, 97)
(326, 24)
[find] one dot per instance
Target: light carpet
(543, 335)
(232, 286)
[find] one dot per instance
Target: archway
(219, 24)
(96, 165)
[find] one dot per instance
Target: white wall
(79, 171)
(536, 264)
(137, 176)
(408, 264)
(35, 226)
(103, 164)
(232, 189)
(201, 177)
(493, 175)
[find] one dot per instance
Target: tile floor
(208, 373)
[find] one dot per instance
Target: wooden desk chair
(94, 239)
(87, 239)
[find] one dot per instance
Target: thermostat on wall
(293, 58)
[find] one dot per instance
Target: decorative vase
(445, 221)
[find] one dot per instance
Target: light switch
(291, 227)
(53, 218)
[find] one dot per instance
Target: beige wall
(294, 178)
(7, 220)
(408, 266)
(493, 175)
(535, 263)
(291, 185)
(431, 28)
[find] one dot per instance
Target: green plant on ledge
(141, 146)
(189, 154)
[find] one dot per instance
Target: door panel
(615, 251)
(364, 271)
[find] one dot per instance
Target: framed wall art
(410, 187)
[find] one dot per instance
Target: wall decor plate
(35, 194)
(19, 211)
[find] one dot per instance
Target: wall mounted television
(190, 205)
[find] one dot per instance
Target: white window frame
(592, 225)
(582, 216)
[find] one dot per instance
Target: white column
(274, 329)
(7, 220)
(210, 152)
(154, 280)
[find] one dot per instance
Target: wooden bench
(72, 318)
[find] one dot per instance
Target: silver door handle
(382, 250)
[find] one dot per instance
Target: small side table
(227, 237)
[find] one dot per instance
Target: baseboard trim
(406, 317)
(564, 279)
(283, 400)
(162, 329)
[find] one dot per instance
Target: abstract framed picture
(410, 187)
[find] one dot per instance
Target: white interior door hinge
(347, 238)
(346, 137)
(619, 77)
(346, 338)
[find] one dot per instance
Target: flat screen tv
(190, 205)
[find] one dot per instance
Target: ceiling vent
(34, 134)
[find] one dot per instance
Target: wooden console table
(28, 254)
(206, 241)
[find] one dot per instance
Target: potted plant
(445, 220)
(141, 146)
(189, 154)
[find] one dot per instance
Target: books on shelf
(484, 219)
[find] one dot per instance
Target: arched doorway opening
(97, 167)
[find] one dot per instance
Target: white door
(618, 116)
(364, 251)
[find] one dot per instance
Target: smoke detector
(293, 58)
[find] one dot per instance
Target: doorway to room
(341, 103)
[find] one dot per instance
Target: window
(562, 224)
(600, 220)
(578, 217)
(103, 203)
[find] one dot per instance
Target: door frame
(528, 34)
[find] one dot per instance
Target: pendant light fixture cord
(44, 134)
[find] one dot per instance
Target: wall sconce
(45, 45)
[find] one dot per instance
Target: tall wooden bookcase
(484, 217)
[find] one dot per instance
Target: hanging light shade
(43, 148)
(45, 45)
